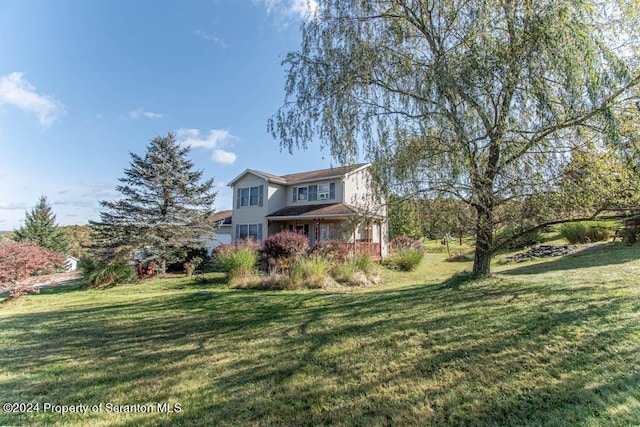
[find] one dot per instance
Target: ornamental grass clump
(407, 254)
(357, 270)
(237, 259)
(310, 272)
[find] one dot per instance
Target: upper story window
(302, 193)
(323, 191)
(315, 192)
(250, 196)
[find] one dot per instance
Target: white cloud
(296, 9)
(16, 91)
(140, 112)
(210, 37)
(215, 139)
(222, 156)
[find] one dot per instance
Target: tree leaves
(495, 94)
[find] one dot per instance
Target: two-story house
(336, 203)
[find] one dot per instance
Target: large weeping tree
(165, 205)
(485, 100)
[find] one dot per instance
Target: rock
(542, 251)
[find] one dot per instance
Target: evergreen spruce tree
(40, 227)
(164, 206)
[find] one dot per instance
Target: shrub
(285, 245)
(631, 230)
(237, 259)
(19, 260)
(527, 239)
(332, 250)
(197, 261)
(407, 254)
(95, 274)
(585, 232)
(185, 254)
(630, 234)
(405, 242)
(405, 259)
(189, 268)
(600, 232)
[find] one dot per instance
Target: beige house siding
(277, 197)
(359, 192)
(250, 214)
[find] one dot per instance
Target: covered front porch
(359, 233)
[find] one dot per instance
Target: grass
(553, 342)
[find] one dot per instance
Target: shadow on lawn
(421, 355)
(598, 256)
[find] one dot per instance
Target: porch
(359, 234)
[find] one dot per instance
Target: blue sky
(83, 83)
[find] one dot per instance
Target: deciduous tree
(485, 100)
(19, 260)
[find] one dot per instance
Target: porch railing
(373, 249)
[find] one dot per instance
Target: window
(301, 228)
(323, 191)
(324, 232)
(253, 201)
(315, 192)
(250, 196)
(302, 193)
(244, 197)
(245, 231)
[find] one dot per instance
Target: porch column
(355, 227)
(380, 237)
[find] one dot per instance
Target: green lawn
(554, 343)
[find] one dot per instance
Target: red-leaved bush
(286, 244)
(332, 250)
(19, 260)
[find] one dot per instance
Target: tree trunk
(484, 242)
(482, 262)
(484, 208)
